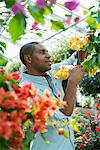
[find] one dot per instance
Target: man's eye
(42, 52)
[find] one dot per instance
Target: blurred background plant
(89, 136)
(3, 59)
(90, 85)
(13, 66)
(87, 102)
(60, 53)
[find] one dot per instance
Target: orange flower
(98, 106)
(60, 131)
(5, 126)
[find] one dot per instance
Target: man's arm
(72, 60)
(76, 75)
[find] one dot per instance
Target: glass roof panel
(49, 37)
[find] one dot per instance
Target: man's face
(40, 59)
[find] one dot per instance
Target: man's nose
(48, 55)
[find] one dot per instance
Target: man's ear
(27, 58)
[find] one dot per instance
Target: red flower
(88, 115)
(84, 137)
(97, 129)
(98, 106)
(89, 141)
(2, 71)
(16, 76)
(82, 145)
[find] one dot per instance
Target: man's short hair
(27, 49)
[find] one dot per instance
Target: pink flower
(98, 117)
(71, 4)
(34, 26)
(68, 20)
(89, 141)
(18, 7)
(41, 3)
(53, 2)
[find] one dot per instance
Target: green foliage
(17, 26)
(48, 10)
(57, 25)
(4, 145)
(29, 135)
(2, 46)
(93, 19)
(88, 135)
(36, 13)
(3, 60)
(90, 86)
(10, 3)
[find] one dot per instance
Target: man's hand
(76, 75)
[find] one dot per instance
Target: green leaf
(1, 49)
(99, 59)
(98, 26)
(91, 21)
(85, 12)
(3, 44)
(10, 3)
(3, 144)
(86, 66)
(44, 138)
(39, 34)
(47, 10)
(3, 61)
(57, 25)
(1, 21)
(14, 82)
(66, 134)
(93, 60)
(17, 26)
(36, 13)
(29, 136)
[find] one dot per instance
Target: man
(39, 71)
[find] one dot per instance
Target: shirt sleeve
(72, 60)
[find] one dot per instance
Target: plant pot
(82, 55)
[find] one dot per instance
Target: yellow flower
(93, 71)
(89, 56)
(85, 40)
(63, 73)
(81, 46)
(70, 41)
(75, 47)
(76, 39)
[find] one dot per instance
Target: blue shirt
(57, 142)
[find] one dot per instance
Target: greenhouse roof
(49, 37)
